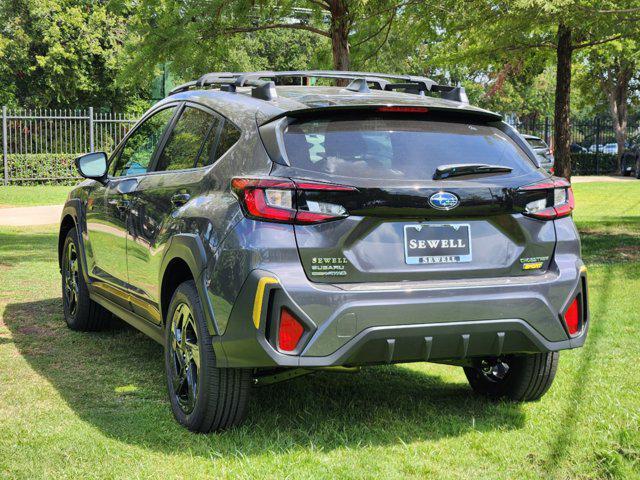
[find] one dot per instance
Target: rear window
(537, 143)
(392, 147)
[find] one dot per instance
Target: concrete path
(602, 178)
(28, 216)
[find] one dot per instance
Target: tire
(526, 377)
(212, 398)
(80, 312)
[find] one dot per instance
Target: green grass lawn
(93, 405)
(18, 196)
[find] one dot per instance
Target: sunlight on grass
(126, 389)
(19, 196)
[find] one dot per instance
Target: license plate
(428, 243)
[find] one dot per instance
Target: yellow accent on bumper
(257, 302)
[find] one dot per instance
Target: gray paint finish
(383, 309)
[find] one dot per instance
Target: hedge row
(60, 168)
(56, 168)
(591, 164)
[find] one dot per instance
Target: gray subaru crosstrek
(261, 226)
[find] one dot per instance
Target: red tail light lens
(276, 200)
(556, 200)
(572, 317)
(290, 331)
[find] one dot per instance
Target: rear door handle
(179, 199)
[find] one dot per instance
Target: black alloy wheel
(185, 355)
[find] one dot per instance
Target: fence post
(598, 146)
(546, 129)
(4, 145)
(91, 147)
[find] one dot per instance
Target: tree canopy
(61, 53)
(514, 56)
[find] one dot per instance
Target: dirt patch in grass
(628, 253)
(36, 330)
(614, 244)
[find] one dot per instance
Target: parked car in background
(610, 149)
(542, 151)
(630, 164)
(596, 148)
(577, 148)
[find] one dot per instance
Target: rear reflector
(289, 332)
(572, 317)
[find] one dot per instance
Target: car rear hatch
(412, 196)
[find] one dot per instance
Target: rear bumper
(430, 321)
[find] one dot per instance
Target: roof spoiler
(475, 114)
(263, 82)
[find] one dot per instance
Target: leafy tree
(60, 53)
(610, 71)
(216, 31)
(506, 29)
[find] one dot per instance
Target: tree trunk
(562, 125)
(616, 86)
(340, 26)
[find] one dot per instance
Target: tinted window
(191, 139)
(537, 143)
(228, 136)
(392, 147)
(135, 156)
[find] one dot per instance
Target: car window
(537, 143)
(386, 147)
(192, 138)
(134, 158)
(228, 135)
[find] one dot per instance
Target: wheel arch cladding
(185, 259)
(176, 272)
(68, 222)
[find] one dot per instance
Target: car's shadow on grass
(114, 380)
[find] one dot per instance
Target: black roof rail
(263, 82)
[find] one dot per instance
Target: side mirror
(93, 166)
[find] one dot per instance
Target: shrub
(591, 164)
(42, 168)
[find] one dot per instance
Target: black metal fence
(40, 145)
(586, 134)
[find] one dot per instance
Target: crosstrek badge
(533, 263)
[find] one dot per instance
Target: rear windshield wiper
(446, 171)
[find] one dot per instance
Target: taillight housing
(290, 331)
(548, 200)
(283, 200)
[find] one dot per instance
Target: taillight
(290, 331)
(572, 317)
(283, 200)
(548, 200)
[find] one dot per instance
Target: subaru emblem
(443, 201)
